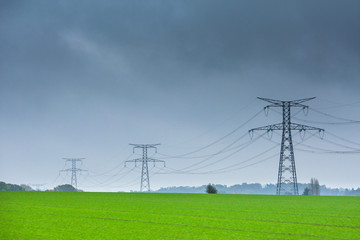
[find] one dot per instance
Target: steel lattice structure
(73, 169)
(145, 179)
(287, 179)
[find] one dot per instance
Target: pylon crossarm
(272, 127)
(144, 145)
(302, 100)
(300, 127)
(133, 161)
(294, 103)
(273, 101)
(155, 161)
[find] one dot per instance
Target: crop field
(55, 215)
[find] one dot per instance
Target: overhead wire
(339, 145)
(341, 138)
(113, 181)
(328, 152)
(263, 160)
(339, 105)
(220, 139)
(335, 117)
(224, 158)
(323, 150)
(222, 123)
(222, 170)
(112, 169)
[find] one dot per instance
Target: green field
(55, 215)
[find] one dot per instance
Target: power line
(335, 117)
(217, 126)
(218, 140)
(339, 105)
(219, 160)
(287, 179)
(97, 184)
(225, 169)
(341, 138)
(328, 151)
(112, 169)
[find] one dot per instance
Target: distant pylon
(287, 179)
(145, 179)
(73, 169)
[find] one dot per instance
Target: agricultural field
(56, 215)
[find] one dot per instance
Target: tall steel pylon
(73, 169)
(145, 179)
(287, 179)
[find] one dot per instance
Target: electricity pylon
(287, 180)
(145, 180)
(73, 169)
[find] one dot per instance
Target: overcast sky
(86, 78)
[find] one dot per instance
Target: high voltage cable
(263, 160)
(222, 170)
(115, 180)
(341, 138)
(57, 177)
(208, 155)
(335, 117)
(207, 159)
(111, 176)
(211, 129)
(340, 145)
(215, 171)
(112, 169)
(339, 105)
(356, 151)
(329, 123)
(231, 169)
(328, 152)
(334, 143)
(133, 182)
(108, 182)
(268, 150)
(220, 139)
(346, 121)
(226, 157)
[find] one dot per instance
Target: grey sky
(85, 78)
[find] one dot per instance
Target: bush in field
(306, 191)
(65, 188)
(211, 189)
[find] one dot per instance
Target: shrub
(211, 189)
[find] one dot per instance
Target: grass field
(55, 215)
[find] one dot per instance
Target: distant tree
(353, 192)
(10, 187)
(65, 188)
(314, 187)
(211, 189)
(306, 191)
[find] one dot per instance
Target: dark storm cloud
(307, 37)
